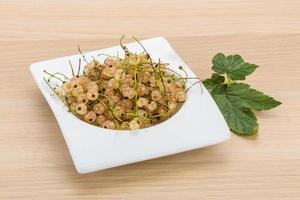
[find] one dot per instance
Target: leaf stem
(229, 81)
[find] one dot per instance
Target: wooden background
(34, 160)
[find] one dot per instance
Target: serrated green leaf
(242, 96)
(220, 63)
(216, 80)
(237, 100)
(233, 65)
(249, 112)
(240, 121)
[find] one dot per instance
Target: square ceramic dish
(198, 123)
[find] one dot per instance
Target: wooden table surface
(34, 160)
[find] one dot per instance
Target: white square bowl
(198, 123)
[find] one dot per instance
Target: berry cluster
(122, 93)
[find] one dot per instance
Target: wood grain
(34, 160)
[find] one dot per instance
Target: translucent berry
(124, 126)
(60, 91)
(145, 77)
(152, 81)
(172, 106)
(128, 92)
(113, 84)
(109, 124)
(109, 92)
(82, 98)
(73, 106)
(81, 109)
(83, 81)
(142, 113)
(75, 83)
(126, 103)
(156, 95)
(162, 111)
(67, 87)
(180, 96)
(119, 110)
(90, 117)
(179, 84)
(128, 80)
(92, 95)
(114, 98)
(142, 102)
(71, 99)
(142, 90)
(118, 74)
(77, 91)
(109, 70)
(134, 124)
(152, 106)
(100, 119)
(99, 108)
(92, 86)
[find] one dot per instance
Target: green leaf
(240, 121)
(220, 63)
(237, 101)
(216, 80)
(233, 65)
(242, 96)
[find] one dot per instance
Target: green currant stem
(107, 55)
(162, 81)
(56, 93)
(65, 77)
(186, 75)
(193, 85)
(94, 59)
(166, 107)
(127, 53)
(180, 77)
(79, 66)
(110, 107)
(82, 54)
(53, 76)
(71, 68)
(229, 81)
(174, 72)
(148, 55)
(135, 88)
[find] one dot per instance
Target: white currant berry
(100, 119)
(60, 91)
(109, 124)
(134, 124)
(82, 98)
(113, 83)
(180, 96)
(124, 126)
(152, 106)
(90, 117)
(92, 95)
(142, 102)
(156, 95)
(77, 91)
(81, 109)
(67, 86)
(142, 113)
(172, 106)
(179, 83)
(99, 108)
(92, 86)
(118, 73)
